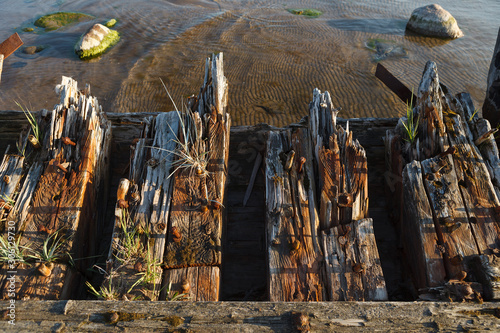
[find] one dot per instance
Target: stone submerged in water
(434, 21)
(96, 41)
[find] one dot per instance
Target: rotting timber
(50, 189)
(329, 217)
(304, 225)
(169, 212)
(446, 200)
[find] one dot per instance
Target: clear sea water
(273, 59)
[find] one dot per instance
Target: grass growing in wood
(410, 125)
(35, 129)
(106, 293)
(12, 250)
(52, 249)
(189, 150)
(130, 244)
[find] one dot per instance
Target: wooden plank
(449, 211)
(10, 45)
(198, 284)
(396, 86)
(476, 186)
(293, 251)
(418, 232)
(62, 195)
(352, 263)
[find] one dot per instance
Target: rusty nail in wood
(345, 200)
(185, 286)
(204, 208)
(60, 166)
(5, 205)
(358, 267)
(485, 137)
(161, 226)
(45, 269)
(135, 141)
(289, 160)
(67, 141)
(295, 245)
(122, 203)
(449, 151)
(6, 179)
(176, 234)
(342, 240)
(301, 164)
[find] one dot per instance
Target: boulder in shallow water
(434, 21)
(491, 105)
(96, 41)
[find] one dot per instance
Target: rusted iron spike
(301, 164)
(485, 136)
(345, 200)
(67, 141)
(449, 151)
(57, 164)
(10, 45)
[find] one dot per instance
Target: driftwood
(296, 269)
(54, 183)
(450, 201)
(171, 207)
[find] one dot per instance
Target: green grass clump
(60, 19)
(109, 40)
(306, 12)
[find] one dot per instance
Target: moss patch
(60, 19)
(109, 40)
(306, 12)
(111, 23)
(173, 320)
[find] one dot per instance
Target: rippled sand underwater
(273, 59)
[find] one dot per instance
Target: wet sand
(273, 59)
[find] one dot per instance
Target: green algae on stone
(385, 49)
(111, 37)
(57, 20)
(111, 23)
(28, 29)
(306, 12)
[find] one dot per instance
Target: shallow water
(273, 59)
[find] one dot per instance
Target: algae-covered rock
(385, 49)
(96, 41)
(434, 21)
(60, 19)
(306, 12)
(111, 23)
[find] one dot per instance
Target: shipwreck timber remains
(201, 211)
